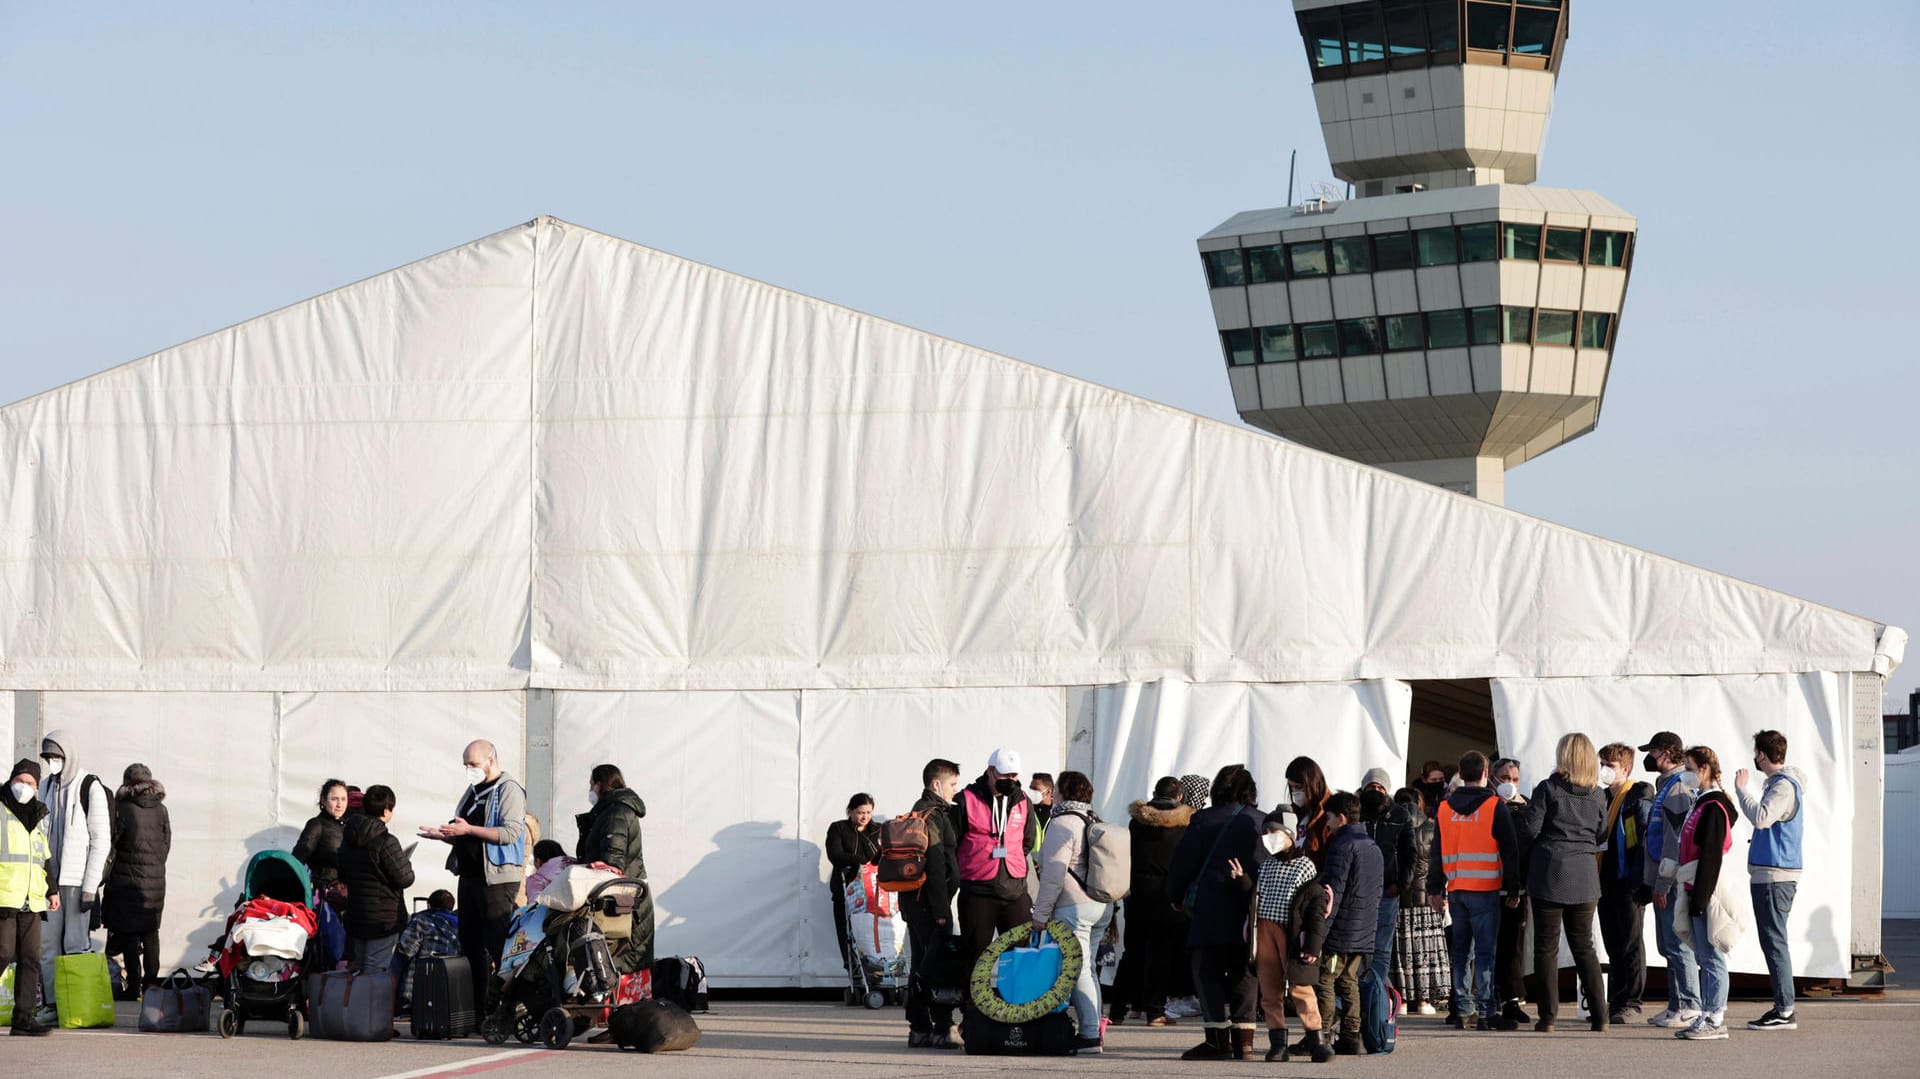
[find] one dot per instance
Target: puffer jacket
(319, 848)
(83, 819)
(1393, 834)
(1307, 932)
(137, 885)
(1153, 833)
(377, 874)
(610, 832)
(1424, 831)
(1353, 873)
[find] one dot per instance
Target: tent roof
(554, 458)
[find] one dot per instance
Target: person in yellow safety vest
(25, 892)
(1475, 861)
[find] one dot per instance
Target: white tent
(602, 503)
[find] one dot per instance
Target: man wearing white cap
(995, 825)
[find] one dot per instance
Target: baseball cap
(1666, 741)
(1005, 761)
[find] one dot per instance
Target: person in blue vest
(488, 834)
(1672, 801)
(1774, 863)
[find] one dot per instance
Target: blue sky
(1026, 178)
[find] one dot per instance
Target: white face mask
(54, 764)
(476, 776)
(1690, 779)
(1299, 798)
(1506, 791)
(1275, 842)
(1608, 777)
(593, 797)
(23, 792)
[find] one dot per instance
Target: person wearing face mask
(1432, 786)
(1202, 883)
(1672, 802)
(1475, 858)
(80, 830)
(851, 844)
(1511, 982)
(1565, 824)
(1352, 869)
(995, 829)
(1307, 796)
(1290, 930)
(610, 834)
(488, 834)
(1063, 863)
(1708, 912)
(27, 890)
(136, 892)
(928, 910)
(1042, 787)
(1774, 864)
(1623, 891)
(319, 845)
(1387, 823)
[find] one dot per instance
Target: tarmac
(748, 1039)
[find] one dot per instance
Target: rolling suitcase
(443, 1004)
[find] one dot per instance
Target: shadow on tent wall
(1450, 717)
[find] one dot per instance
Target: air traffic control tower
(1451, 321)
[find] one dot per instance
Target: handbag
(178, 1005)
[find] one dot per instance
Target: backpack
(1109, 852)
(1380, 1008)
(903, 853)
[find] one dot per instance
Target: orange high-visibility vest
(1468, 851)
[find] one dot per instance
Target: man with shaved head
(489, 837)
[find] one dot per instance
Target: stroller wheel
(296, 1025)
(556, 1028)
(229, 1022)
(876, 1000)
(494, 1031)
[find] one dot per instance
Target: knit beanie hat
(28, 766)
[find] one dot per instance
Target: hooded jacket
(610, 832)
(143, 837)
(1465, 800)
(1154, 830)
(23, 883)
(81, 831)
(377, 875)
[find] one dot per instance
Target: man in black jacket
(377, 875)
(1476, 902)
(1511, 981)
(929, 909)
(1623, 893)
(1392, 830)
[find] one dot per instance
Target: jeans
(1476, 938)
(1577, 919)
(1713, 970)
(1683, 976)
(1383, 931)
(1089, 922)
(1771, 905)
(1622, 929)
(372, 955)
(20, 941)
(67, 931)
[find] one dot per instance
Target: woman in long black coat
(136, 889)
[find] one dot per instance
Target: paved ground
(756, 1040)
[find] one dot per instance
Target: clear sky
(1024, 177)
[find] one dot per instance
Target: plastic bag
(83, 991)
(1027, 974)
(6, 996)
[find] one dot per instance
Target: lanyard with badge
(1001, 809)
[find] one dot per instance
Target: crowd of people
(1313, 908)
(77, 856)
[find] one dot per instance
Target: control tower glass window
(1554, 328)
(1276, 344)
(1479, 243)
(1607, 249)
(1443, 27)
(1351, 255)
(1359, 337)
(1488, 26)
(1520, 242)
(1224, 269)
(1436, 247)
(1594, 327)
(1404, 333)
(1406, 28)
(1446, 329)
(1516, 325)
(1319, 340)
(1393, 251)
(1322, 31)
(1564, 245)
(1365, 32)
(1308, 259)
(1534, 25)
(1484, 323)
(1265, 264)
(1239, 346)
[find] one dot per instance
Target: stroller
(270, 942)
(563, 967)
(877, 969)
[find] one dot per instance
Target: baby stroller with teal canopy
(270, 943)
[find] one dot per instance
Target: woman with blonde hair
(1566, 824)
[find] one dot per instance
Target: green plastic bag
(6, 996)
(83, 991)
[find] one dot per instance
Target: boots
(1317, 1046)
(1218, 1046)
(1277, 1045)
(1243, 1039)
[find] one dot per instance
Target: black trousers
(139, 957)
(1577, 920)
(1150, 968)
(1225, 983)
(1622, 931)
(924, 1016)
(983, 915)
(485, 911)
(840, 925)
(20, 944)
(1510, 959)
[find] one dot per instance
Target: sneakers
(1425, 1009)
(1183, 1008)
(1086, 1047)
(1680, 1020)
(1774, 1020)
(943, 1040)
(1704, 1030)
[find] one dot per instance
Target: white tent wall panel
(1531, 715)
(1144, 731)
(411, 742)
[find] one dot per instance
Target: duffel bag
(351, 1007)
(178, 1005)
(1049, 1035)
(653, 1026)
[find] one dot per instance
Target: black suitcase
(1048, 1036)
(443, 998)
(653, 1026)
(681, 979)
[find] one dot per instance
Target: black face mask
(1652, 763)
(1008, 787)
(1433, 791)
